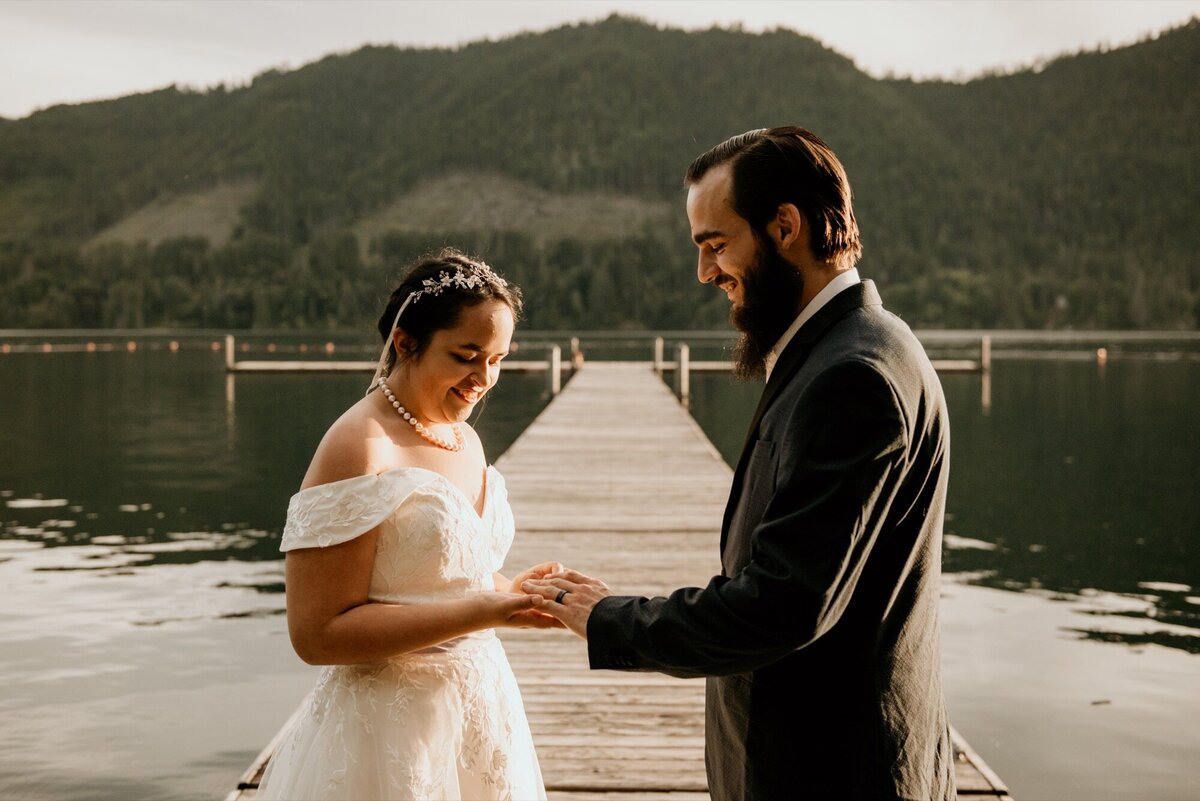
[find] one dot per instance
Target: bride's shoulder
(471, 440)
(355, 445)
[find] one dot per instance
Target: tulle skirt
(441, 724)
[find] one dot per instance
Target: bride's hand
(535, 572)
(514, 610)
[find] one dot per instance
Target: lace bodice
(442, 722)
(433, 545)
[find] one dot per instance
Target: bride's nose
(479, 377)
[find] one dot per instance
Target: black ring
(561, 594)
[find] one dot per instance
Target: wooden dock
(616, 479)
(553, 365)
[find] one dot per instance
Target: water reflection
(1076, 482)
(1184, 642)
(143, 651)
(141, 502)
(152, 458)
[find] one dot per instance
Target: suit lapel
(789, 363)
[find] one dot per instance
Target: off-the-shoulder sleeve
(338, 512)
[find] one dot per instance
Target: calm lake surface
(143, 651)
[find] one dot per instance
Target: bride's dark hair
(431, 312)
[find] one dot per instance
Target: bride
(393, 545)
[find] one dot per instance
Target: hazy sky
(63, 51)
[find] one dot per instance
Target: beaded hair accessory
(472, 276)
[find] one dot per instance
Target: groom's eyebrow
(704, 236)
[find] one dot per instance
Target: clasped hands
(559, 597)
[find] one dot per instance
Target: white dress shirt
(843, 280)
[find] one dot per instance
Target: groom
(820, 637)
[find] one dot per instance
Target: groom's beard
(771, 291)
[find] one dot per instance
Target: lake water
(143, 652)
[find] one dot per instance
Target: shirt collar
(841, 281)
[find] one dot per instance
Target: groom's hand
(581, 595)
(543, 570)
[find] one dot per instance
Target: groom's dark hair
(773, 166)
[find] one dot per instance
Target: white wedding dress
(443, 723)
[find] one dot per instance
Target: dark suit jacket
(820, 637)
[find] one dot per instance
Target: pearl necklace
(417, 426)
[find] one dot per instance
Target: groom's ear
(786, 228)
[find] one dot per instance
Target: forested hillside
(1061, 197)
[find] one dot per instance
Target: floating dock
(682, 366)
(616, 479)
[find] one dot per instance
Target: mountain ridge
(984, 203)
